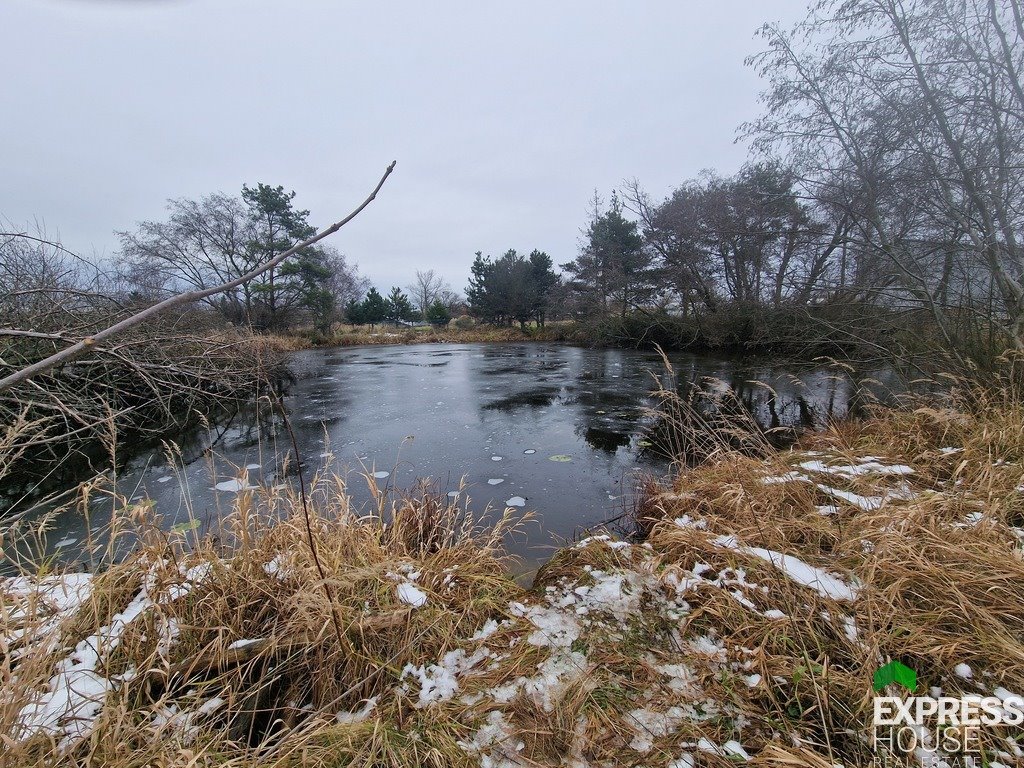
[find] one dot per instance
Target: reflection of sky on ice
(558, 428)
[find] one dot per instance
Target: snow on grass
(410, 594)
(649, 724)
(68, 710)
(58, 594)
(867, 466)
(76, 693)
(440, 682)
(489, 628)
(867, 503)
(827, 584)
(554, 626)
(185, 721)
(494, 742)
(40, 606)
(729, 749)
(348, 718)
(545, 688)
(276, 568)
(244, 643)
(615, 593)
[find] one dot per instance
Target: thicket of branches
(173, 370)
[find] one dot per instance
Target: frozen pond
(555, 430)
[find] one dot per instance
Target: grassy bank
(746, 627)
(841, 330)
(364, 335)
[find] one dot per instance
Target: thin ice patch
(234, 486)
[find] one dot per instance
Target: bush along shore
(66, 424)
(800, 333)
(746, 625)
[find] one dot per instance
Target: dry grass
(682, 647)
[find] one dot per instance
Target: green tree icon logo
(895, 672)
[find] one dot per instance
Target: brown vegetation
(699, 644)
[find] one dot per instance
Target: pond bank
(796, 333)
(562, 431)
(747, 626)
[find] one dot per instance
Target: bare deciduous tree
(908, 117)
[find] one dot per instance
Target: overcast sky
(503, 118)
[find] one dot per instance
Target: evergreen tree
(510, 289)
(544, 279)
(276, 227)
(613, 270)
(375, 308)
(398, 307)
(476, 291)
(354, 312)
(438, 314)
(308, 280)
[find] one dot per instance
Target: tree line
(885, 172)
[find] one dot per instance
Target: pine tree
(375, 308)
(277, 226)
(438, 314)
(613, 266)
(544, 279)
(510, 289)
(354, 312)
(398, 307)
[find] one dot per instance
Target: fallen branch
(88, 344)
